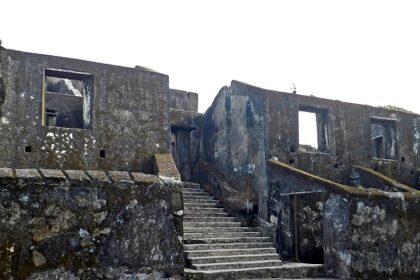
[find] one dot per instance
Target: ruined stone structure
(97, 164)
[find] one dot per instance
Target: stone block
(144, 179)
(165, 166)
(120, 179)
(28, 176)
(119, 176)
(53, 177)
(6, 176)
(98, 176)
(77, 177)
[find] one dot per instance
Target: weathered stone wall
(186, 129)
(348, 127)
(367, 178)
(130, 117)
(367, 233)
(247, 125)
(89, 225)
(372, 237)
(183, 100)
(234, 142)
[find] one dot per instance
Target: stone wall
(72, 224)
(374, 237)
(348, 129)
(234, 142)
(183, 100)
(186, 129)
(247, 125)
(367, 233)
(129, 123)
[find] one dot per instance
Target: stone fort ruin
(107, 173)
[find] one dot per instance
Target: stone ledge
(93, 178)
(119, 176)
(53, 176)
(7, 176)
(99, 176)
(146, 179)
(165, 166)
(77, 177)
(28, 176)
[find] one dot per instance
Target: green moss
(339, 188)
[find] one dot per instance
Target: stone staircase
(219, 247)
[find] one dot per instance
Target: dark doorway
(181, 150)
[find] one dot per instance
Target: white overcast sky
(358, 51)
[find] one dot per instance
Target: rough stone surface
(6, 175)
(186, 133)
(77, 177)
(106, 273)
(366, 232)
(247, 125)
(165, 166)
(98, 176)
(130, 120)
(118, 176)
(28, 175)
(90, 232)
(183, 100)
(144, 178)
(52, 176)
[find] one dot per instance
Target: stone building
(97, 164)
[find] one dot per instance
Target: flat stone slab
(285, 270)
(97, 175)
(53, 176)
(77, 176)
(6, 175)
(119, 176)
(165, 166)
(28, 175)
(146, 179)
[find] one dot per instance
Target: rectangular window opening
(383, 138)
(67, 99)
(313, 129)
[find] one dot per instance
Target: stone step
(228, 246)
(237, 265)
(212, 224)
(227, 240)
(305, 278)
(228, 252)
(190, 185)
(222, 234)
(200, 204)
(286, 270)
(233, 258)
(217, 229)
(193, 209)
(208, 219)
(206, 210)
(193, 214)
(200, 200)
(198, 213)
(196, 195)
(190, 191)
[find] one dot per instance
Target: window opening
(67, 99)
(383, 138)
(313, 129)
